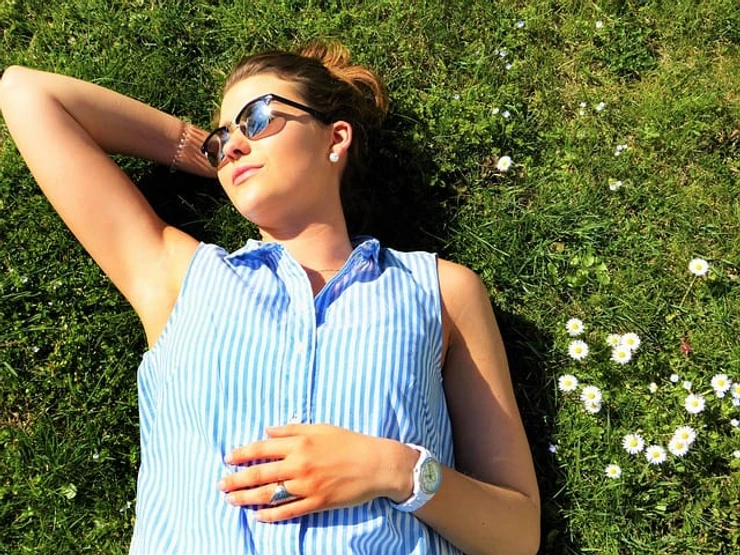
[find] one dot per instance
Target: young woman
(309, 392)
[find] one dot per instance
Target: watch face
(430, 476)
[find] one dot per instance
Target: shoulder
(465, 305)
(459, 287)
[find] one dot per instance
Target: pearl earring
(333, 157)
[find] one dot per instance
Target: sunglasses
(253, 120)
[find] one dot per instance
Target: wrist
(400, 469)
(426, 478)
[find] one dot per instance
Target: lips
(244, 172)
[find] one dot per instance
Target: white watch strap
(418, 497)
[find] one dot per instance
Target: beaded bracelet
(180, 147)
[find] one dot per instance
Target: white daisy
(686, 385)
(685, 434)
(674, 378)
(653, 387)
(600, 106)
(578, 349)
(694, 403)
(508, 66)
(698, 266)
(591, 393)
(678, 447)
(613, 339)
(721, 384)
(736, 454)
(631, 340)
(503, 164)
(520, 24)
(615, 185)
(633, 443)
(567, 382)
(734, 422)
(613, 471)
(583, 104)
(574, 326)
(495, 111)
(552, 448)
(621, 354)
(599, 24)
(592, 407)
(655, 454)
(506, 114)
(735, 388)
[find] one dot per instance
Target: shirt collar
(364, 247)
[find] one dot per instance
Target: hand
(325, 466)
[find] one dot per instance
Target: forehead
(252, 87)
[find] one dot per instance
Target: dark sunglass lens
(212, 149)
(255, 120)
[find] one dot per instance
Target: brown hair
(327, 81)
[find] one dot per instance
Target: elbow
(530, 542)
(527, 542)
(11, 81)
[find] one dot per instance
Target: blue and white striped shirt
(248, 346)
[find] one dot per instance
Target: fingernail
(228, 459)
(222, 484)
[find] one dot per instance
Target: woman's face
(283, 179)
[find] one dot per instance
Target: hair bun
(337, 59)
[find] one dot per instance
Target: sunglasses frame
(223, 133)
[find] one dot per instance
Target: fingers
(254, 476)
(294, 509)
(266, 495)
(265, 449)
(290, 430)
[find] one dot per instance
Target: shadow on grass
(397, 205)
(526, 349)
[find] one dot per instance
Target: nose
(237, 144)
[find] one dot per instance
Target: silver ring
(281, 495)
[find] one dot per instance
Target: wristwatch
(427, 476)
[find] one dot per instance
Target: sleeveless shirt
(246, 346)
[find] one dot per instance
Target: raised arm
(65, 129)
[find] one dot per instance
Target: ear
(341, 138)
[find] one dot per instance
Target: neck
(321, 248)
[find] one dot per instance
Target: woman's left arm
(490, 503)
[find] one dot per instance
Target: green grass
(549, 237)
